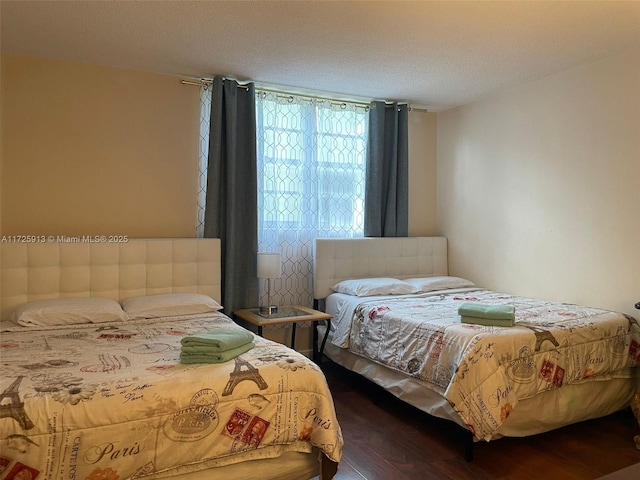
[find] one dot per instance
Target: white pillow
(68, 311)
(169, 304)
(428, 284)
(363, 287)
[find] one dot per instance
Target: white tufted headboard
(335, 260)
(39, 271)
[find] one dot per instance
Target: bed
(395, 321)
(92, 383)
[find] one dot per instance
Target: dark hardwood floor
(387, 440)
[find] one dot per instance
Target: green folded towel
(218, 357)
(495, 322)
(218, 339)
(495, 312)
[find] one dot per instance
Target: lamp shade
(269, 265)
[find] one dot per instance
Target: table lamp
(269, 266)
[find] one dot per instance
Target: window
(311, 168)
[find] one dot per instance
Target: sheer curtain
(311, 182)
(203, 156)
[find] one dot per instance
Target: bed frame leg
(328, 468)
(468, 446)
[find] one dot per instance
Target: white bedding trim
(41, 271)
(288, 466)
(335, 260)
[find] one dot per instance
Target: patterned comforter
(483, 371)
(112, 401)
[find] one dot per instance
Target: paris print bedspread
(483, 371)
(112, 401)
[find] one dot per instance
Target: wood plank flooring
(387, 440)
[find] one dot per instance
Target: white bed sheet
(288, 466)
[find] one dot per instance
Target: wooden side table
(288, 315)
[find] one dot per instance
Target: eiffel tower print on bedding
(113, 401)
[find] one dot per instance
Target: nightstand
(285, 316)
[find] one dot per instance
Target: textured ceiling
(440, 54)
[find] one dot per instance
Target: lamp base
(269, 310)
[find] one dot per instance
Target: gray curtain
(231, 211)
(386, 206)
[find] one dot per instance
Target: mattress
(112, 401)
(482, 377)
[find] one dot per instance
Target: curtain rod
(205, 81)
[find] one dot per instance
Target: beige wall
(539, 187)
(422, 173)
(1, 145)
(90, 150)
